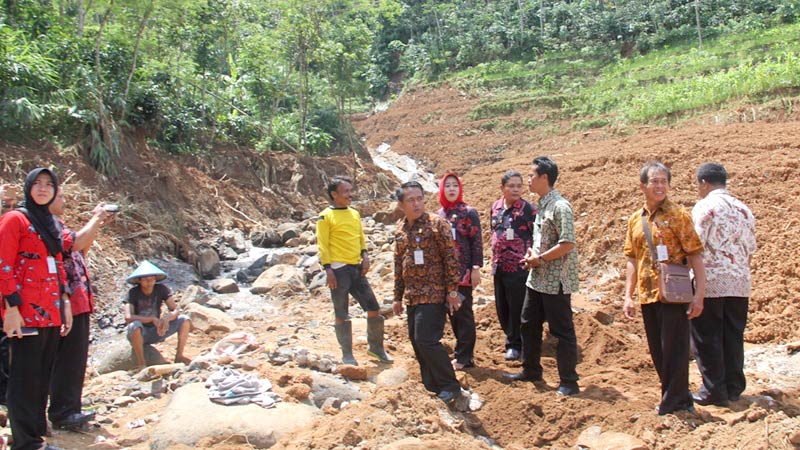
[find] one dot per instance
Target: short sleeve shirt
(148, 305)
(670, 225)
(727, 228)
(554, 224)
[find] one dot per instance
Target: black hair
(509, 175)
(545, 165)
(400, 192)
(335, 182)
(644, 174)
(712, 173)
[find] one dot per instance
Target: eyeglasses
(658, 182)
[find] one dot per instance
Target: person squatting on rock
(343, 254)
(727, 228)
(512, 226)
(666, 324)
(142, 310)
(466, 228)
(69, 369)
(8, 197)
(553, 264)
(426, 274)
(36, 309)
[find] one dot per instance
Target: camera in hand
(111, 207)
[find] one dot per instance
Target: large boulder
(209, 319)
(266, 237)
(595, 439)
(235, 240)
(327, 386)
(194, 294)
(208, 264)
(280, 278)
(225, 286)
(289, 231)
(190, 407)
(251, 272)
(116, 354)
(389, 215)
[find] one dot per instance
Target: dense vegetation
(284, 74)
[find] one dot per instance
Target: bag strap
(649, 237)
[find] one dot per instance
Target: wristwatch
(453, 294)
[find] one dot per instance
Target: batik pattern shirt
(727, 228)
(466, 228)
(25, 276)
(519, 217)
(430, 281)
(554, 224)
(670, 225)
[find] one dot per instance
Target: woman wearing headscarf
(466, 227)
(35, 305)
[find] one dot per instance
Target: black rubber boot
(375, 339)
(344, 334)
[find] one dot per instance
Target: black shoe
(448, 397)
(568, 389)
(512, 354)
(73, 421)
(523, 376)
(705, 401)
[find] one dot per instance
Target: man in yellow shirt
(343, 254)
(666, 324)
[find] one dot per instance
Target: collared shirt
(670, 225)
(340, 236)
(430, 281)
(554, 224)
(26, 278)
(519, 217)
(728, 231)
(466, 228)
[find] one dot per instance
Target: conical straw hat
(146, 269)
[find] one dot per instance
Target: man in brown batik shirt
(426, 274)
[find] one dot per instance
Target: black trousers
(425, 329)
(3, 364)
(667, 330)
(557, 311)
(32, 360)
(69, 369)
(718, 337)
(509, 295)
(463, 323)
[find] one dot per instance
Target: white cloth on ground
(231, 387)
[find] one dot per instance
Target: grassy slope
(661, 86)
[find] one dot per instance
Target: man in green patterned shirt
(553, 264)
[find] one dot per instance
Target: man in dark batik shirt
(426, 274)
(512, 229)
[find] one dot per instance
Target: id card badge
(418, 258)
(454, 233)
(509, 234)
(51, 264)
(661, 251)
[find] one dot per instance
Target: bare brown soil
(169, 200)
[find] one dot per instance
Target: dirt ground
(170, 200)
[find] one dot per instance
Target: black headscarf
(46, 225)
